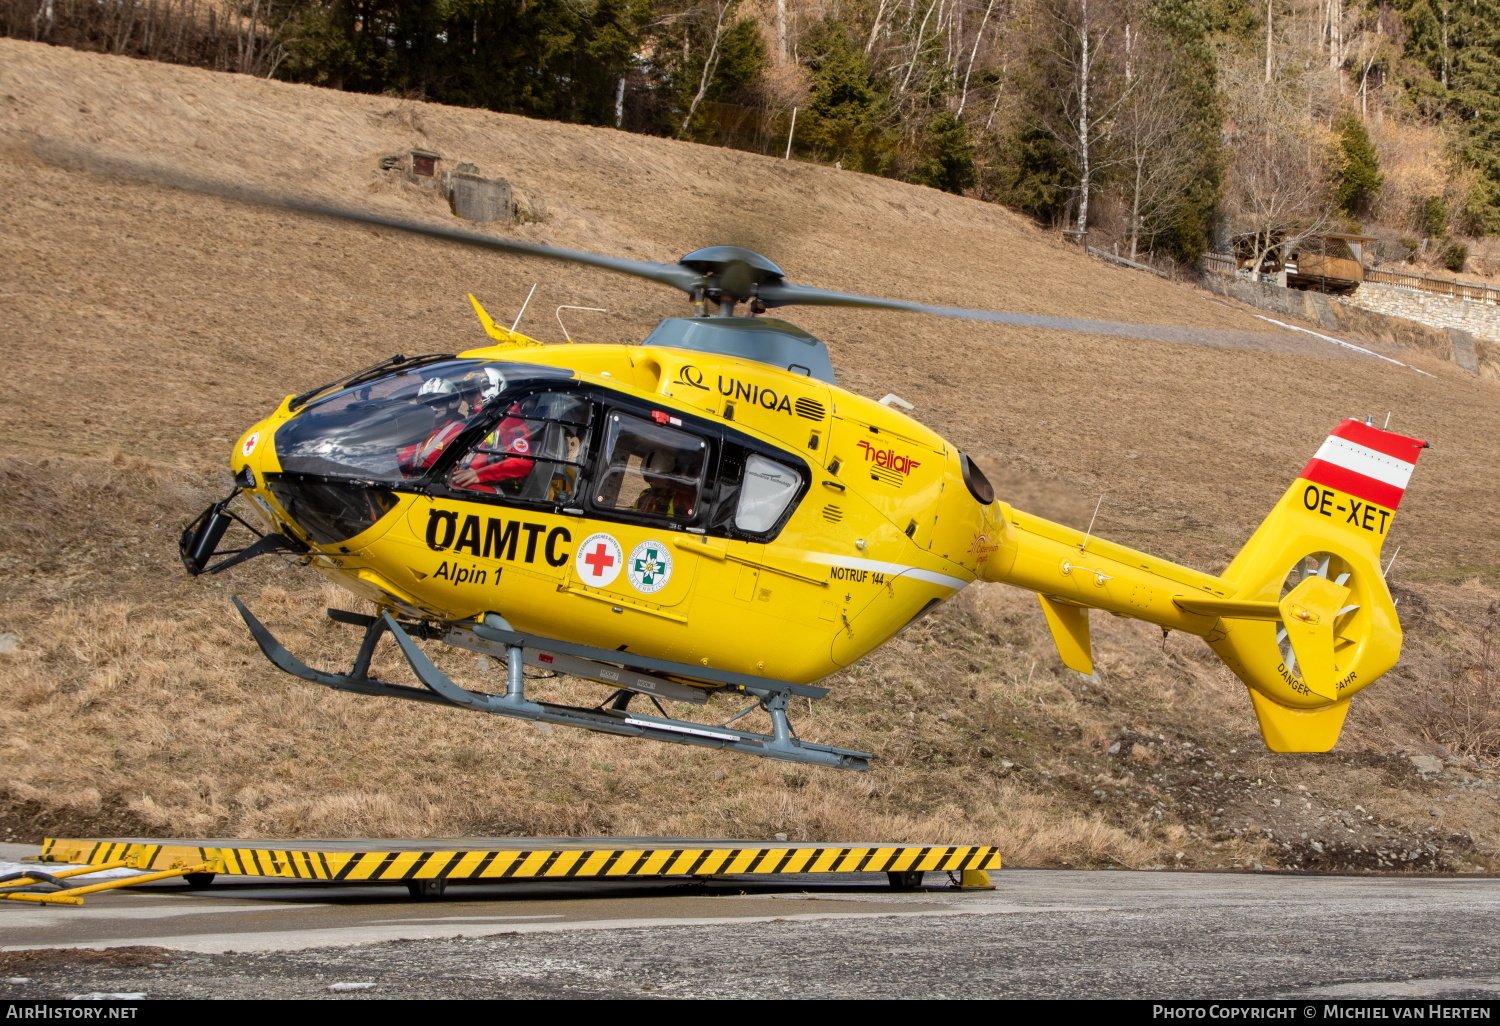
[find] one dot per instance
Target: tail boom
(1301, 615)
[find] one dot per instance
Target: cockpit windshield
(398, 427)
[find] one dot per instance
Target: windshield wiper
(359, 377)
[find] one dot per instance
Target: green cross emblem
(649, 567)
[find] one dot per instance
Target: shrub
(1454, 256)
(1430, 216)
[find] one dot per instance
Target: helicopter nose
(328, 512)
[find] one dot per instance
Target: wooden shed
(1318, 261)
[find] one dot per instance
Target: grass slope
(146, 327)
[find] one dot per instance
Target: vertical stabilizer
(1317, 558)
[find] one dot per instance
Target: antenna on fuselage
(1087, 534)
(523, 309)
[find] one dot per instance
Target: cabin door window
(650, 468)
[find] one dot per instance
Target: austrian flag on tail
(1365, 462)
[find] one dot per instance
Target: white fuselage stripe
(894, 569)
(1351, 456)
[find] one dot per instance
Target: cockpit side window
(400, 428)
(534, 453)
(650, 468)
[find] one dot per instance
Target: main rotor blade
(771, 291)
(674, 275)
(785, 294)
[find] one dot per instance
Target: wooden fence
(1437, 286)
(1221, 262)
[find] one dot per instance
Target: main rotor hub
(732, 275)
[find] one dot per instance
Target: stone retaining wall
(1476, 352)
(1308, 306)
(1482, 320)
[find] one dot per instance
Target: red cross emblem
(599, 560)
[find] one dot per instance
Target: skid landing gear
(646, 675)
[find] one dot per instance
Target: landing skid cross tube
(645, 675)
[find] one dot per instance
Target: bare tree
(963, 96)
(1270, 39)
(1155, 147)
(1333, 32)
(186, 31)
(1279, 187)
(875, 27)
(710, 65)
(1092, 91)
(918, 45)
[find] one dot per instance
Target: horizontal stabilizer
(1232, 608)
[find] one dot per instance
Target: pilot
(454, 404)
(664, 495)
(449, 407)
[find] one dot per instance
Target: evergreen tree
(948, 163)
(1453, 72)
(558, 59)
(1357, 175)
(1029, 170)
(843, 120)
(1185, 28)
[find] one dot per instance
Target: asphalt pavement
(1040, 933)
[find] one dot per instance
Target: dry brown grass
(147, 327)
(127, 718)
(1458, 708)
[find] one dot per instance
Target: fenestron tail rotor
(1330, 568)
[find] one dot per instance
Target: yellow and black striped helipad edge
(309, 861)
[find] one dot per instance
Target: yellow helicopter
(707, 511)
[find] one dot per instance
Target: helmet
(659, 462)
(437, 387)
(496, 383)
